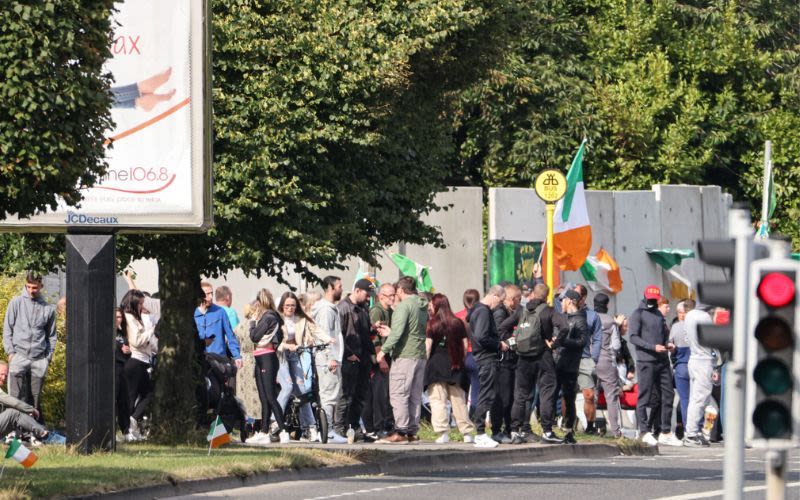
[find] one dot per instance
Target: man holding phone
(377, 414)
(649, 333)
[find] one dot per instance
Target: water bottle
(351, 435)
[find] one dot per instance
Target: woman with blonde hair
(298, 330)
(265, 332)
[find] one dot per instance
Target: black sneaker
(501, 438)
(550, 438)
(590, 429)
(570, 438)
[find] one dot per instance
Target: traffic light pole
(741, 231)
(776, 475)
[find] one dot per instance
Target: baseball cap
(652, 292)
(572, 295)
(364, 284)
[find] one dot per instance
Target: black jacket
(507, 327)
(356, 328)
(647, 328)
(573, 334)
(485, 339)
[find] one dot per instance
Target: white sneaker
(669, 439)
(284, 436)
(334, 438)
(649, 439)
(485, 441)
(257, 438)
(469, 438)
(134, 428)
(444, 438)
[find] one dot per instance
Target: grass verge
(62, 472)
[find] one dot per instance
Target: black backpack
(529, 332)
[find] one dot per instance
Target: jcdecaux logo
(75, 218)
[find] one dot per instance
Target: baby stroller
(218, 371)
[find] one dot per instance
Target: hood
(28, 295)
(533, 304)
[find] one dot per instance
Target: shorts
(587, 374)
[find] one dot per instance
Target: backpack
(529, 332)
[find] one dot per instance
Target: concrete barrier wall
(625, 223)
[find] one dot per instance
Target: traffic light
(721, 253)
(773, 363)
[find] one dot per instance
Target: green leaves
(52, 55)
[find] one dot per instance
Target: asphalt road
(677, 474)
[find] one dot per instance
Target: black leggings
(139, 387)
(121, 396)
(266, 374)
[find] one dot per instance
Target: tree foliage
(54, 100)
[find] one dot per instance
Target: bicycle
(292, 415)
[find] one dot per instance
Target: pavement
(675, 474)
(384, 459)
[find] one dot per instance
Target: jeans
(471, 369)
(292, 380)
(12, 419)
(140, 387)
(377, 414)
(125, 95)
(681, 376)
(568, 383)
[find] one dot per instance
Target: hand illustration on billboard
(142, 95)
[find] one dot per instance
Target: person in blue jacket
(214, 327)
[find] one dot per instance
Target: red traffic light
(776, 290)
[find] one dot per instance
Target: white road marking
(719, 493)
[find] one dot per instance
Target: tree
(54, 101)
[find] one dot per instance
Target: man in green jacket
(405, 345)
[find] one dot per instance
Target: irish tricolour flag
(21, 454)
(218, 435)
(572, 233)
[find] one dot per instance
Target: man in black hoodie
(534, 363)
(649, 333)
(572, 338)
(486, 348)
(504, 386)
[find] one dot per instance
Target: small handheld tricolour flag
(218, 435)
(21, 454)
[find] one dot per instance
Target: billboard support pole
(90, 355)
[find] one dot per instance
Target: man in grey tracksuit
(29, 339)
(607, 377)
(329, 361)
(701, 368)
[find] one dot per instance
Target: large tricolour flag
(572, 238)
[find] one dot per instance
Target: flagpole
(765, 190)
(551, 207)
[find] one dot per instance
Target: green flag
(574, 176)
(417, 271)
(668, 258)
(512, 261)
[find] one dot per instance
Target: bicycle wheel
(322, 420)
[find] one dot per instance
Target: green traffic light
(772, 376)
(772, 419)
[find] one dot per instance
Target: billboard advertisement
(159, 151)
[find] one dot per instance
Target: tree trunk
(175, 407)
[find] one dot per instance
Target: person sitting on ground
(18, 414)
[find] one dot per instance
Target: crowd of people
(506, 358)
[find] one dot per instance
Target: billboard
(159, 152)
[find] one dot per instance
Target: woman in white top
(143, 346)
(298, 330)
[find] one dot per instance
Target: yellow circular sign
(550, 185)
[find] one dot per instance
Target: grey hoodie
(30, 327)
(326, 317)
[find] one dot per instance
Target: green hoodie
(409, 320)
